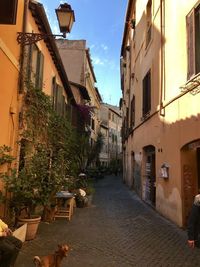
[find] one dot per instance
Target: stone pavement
(118, 230)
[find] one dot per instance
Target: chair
(65, 211)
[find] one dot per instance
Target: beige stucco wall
(73, 56)
(180, 123)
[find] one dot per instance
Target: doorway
(150, 175)
(190, 168)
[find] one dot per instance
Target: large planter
(32, 226)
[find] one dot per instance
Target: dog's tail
(37, 261)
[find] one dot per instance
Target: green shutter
(39, 70)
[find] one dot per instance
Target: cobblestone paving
(118, 230)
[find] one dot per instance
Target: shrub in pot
(24, 199)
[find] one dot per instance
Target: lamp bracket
(27, 38)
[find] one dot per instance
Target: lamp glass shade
(66, 18)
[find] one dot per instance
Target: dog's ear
(37, 261)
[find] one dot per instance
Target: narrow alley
(118, 230)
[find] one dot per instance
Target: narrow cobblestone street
(118, 230)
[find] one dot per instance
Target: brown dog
(52, 260)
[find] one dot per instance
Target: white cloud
(104, 47)
(97, 61)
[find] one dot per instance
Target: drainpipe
(162, 77)
(22, 48)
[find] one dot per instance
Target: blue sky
(101, 24)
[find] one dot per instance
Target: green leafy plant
(45, 157)
(5, 156)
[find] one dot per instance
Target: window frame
(193, 63)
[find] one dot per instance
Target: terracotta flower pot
(32, 226)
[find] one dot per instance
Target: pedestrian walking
(193, 228)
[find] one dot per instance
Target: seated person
(9, 246)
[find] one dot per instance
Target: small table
(65, 202)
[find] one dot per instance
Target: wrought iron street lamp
(66, 18)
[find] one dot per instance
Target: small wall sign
(164, 170)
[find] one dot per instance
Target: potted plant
(22, 195)
(24, 199)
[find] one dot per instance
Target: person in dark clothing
(9, 246)
(193, 228)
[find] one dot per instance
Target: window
(193, 41)
(127, 121)
(92, 124)
(58, 98)
(149, 21)
(8, 11)
(133, 111)
(113, 117)
(35, 66)
(146, 94)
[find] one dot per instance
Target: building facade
(78, 65)
(160, 84)
(23, 60)
(111, 123)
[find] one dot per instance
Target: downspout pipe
(22, 48)
(162, 111)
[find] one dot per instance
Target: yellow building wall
(49, 70)
(9, 72)
(10, 99)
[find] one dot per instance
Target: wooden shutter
(59, 100)
(28, 61)
(8, 11)
(53, 93)
(133, 111)
(197, 40)
(190, 44)
(146, 93)
(39, 70)
(143, 96)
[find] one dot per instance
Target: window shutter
(149, 91)
(59, 100)
(190, 44)
(133, 111)
(39, 71)
(29, 61)
(197, 40)
(144, 98)
(146, 94)
(54, 96)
